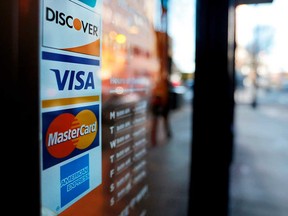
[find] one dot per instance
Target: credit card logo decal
(64, 28)
(91, 3)
(74, 179)
(69, 133)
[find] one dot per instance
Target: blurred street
(264, 96)
(259, 173)
(169, 164)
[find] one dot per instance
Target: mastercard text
(60, 137)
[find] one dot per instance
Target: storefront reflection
(130, 67)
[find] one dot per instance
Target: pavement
(169, 166)
(259, 172)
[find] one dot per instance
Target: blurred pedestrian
(160, 107)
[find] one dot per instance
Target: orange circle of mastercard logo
(67, 132)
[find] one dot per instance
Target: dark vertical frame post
(213, 108)
(29, 99)
(20, 106)
(28, 77)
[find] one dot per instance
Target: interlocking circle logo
(67, 132)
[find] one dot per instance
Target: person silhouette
(161, 108)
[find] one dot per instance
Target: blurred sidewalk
(169, 166)
(259, 174)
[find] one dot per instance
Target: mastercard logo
(68, 132)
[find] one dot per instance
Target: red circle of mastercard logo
(67, 132)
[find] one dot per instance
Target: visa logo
(74, 80)
(90, 3)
